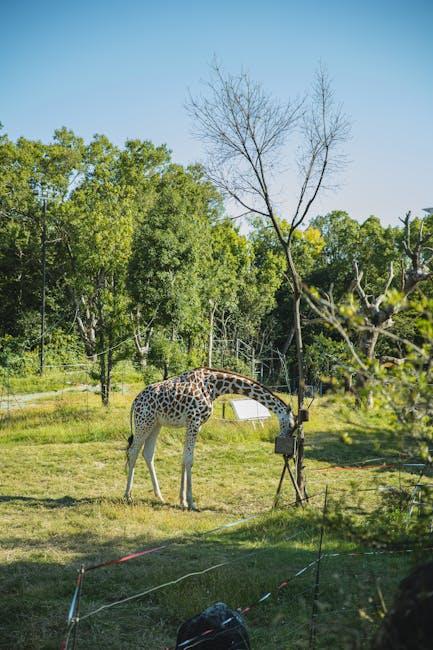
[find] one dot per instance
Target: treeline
(137, 259)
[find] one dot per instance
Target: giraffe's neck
(224, 383)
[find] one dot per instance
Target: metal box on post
(285, 445)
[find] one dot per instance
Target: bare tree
(244, 130)
(143, 332)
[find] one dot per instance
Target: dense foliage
(142, 263)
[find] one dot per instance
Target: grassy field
(62, 467)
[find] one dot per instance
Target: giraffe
(187, 400)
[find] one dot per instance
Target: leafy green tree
(227, 271)
(169, 258)
(98, 225)
(271, 263)
(31, 172)
(346, 242)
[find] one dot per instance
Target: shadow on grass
(360, 446)
(37, 593)
(254, 559)
(68, 501)
(61, 502)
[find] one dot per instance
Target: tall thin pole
(44, 281)
(312, 644)
(77, 609)
(210, 340)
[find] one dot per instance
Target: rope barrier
(153, 589)
(193, 537)
(363, 466)
(166, 584)
(245, 610)
(72, 620)
(126, 558)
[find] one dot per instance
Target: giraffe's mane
(240, 376)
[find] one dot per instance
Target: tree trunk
(143, 347)
(288, 341)
(297, 325)
(105, 369)
(300, 475)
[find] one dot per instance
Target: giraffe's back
(174, 402)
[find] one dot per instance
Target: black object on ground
(231, 636)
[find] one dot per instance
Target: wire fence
(83, 376)
(68, 380)
(315, 623)
(310, 629)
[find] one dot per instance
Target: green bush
(325, 358)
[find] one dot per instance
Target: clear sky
(123, 68)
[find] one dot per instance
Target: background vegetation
(142, 264)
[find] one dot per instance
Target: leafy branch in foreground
(403, 386)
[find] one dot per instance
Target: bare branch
(360, 291)
(382, 297)
(324, 128)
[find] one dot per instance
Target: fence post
(77, 608)
(317, 582)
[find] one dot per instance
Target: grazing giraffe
(187, 400)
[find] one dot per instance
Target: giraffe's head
(287, 422)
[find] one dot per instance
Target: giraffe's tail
(131, 437)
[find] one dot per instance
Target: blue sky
(124, 69)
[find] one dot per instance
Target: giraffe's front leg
(188, 458)
(183, 501)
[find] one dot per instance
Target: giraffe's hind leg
(149, 454)
(132, 455)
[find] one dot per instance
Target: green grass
(58, 378)
(52, 379)
(62, 467)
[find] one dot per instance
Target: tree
(170, 256)
(226, 278)
(346, 242)
(35, 179)
(244, 130)
(365, 317)
(97, 226)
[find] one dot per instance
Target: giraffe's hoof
(128, 498)
(193, 508)
(184, 505)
